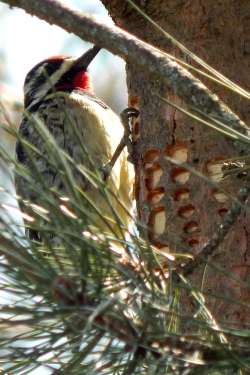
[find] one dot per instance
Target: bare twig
(120, 42)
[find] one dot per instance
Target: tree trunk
(180, 209)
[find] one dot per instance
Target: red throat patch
(82, 81)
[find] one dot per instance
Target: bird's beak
(83, 61)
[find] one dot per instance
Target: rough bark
(181, 210)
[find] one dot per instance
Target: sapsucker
(58, 92)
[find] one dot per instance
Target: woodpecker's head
(58, 73)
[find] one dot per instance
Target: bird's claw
(126, 115)
(106, 170)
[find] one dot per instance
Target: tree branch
(120, 42)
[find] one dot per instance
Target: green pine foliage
(84, 302)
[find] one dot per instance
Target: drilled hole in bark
(181, 195)
(156, 195)
(151, 156)
(186, 211)
(180, 175)
(191, 227)
(220, 197)
(214, 170)
(153, 177)
(193, 242)
(222, 211)
(134, 101)
(178, 151)
(157, 220)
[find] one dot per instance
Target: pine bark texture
(181, 210)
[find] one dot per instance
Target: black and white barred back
(79, 122)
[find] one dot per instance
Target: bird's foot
(105, 171)
(126, 116)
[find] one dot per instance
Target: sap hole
(157, 220)
(181, 195)
(193, 242)
(191, 227)
(186, 211)
(156, 176)
(220, 197)
(151, 156)
(160, 223)
(178, 151)
(222, 211)
(180, 175)
(156, 195)
(153, 176)
(214, 170)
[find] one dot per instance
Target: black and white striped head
(58, 73)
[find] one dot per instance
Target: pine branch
(135, 51)
(111, 318)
